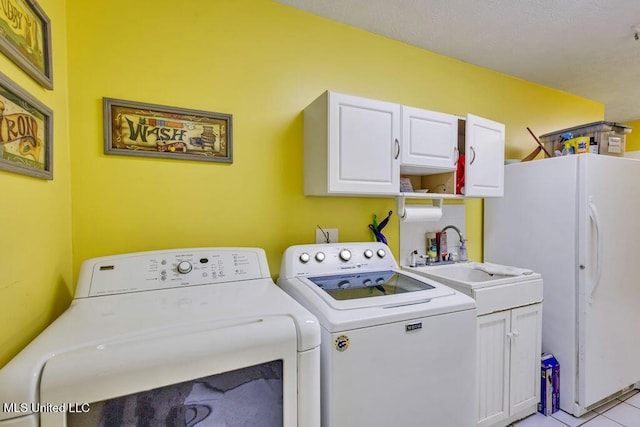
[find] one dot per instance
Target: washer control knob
(320, 256)
(184, 267)
(345, 255)
(304, 257)
(368, 253)
(381, 253)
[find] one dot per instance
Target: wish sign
(148, 130)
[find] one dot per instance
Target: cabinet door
(493, 367)
(364, 146)
(525, 336)
(429, 141)
(484, 157)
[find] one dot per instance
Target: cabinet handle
(474, 155)
(512, 335)
(397, 149)
(457, 156)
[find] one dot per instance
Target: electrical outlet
(331, 232)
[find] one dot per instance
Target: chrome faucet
(438, 254)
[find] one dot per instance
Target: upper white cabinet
(484, 160)
(429, 141)
(356, 146)
(351, 146)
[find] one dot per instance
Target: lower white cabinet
(508, 364)
(508, 340)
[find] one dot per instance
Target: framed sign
(25, 38)
(149, 130)
(26, 132)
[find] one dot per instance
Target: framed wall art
(149, 130)
(26, 132)
(25, 38)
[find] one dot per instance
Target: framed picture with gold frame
(25, 38)
(26, 132)
(150, 130)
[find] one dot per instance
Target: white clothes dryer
(397, 349)
(179, 337)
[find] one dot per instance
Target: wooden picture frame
(26, 132)
(25, 38)
(150, 130)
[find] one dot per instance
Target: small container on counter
(442, 250)
(431, 244)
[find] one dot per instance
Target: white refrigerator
(576, 220)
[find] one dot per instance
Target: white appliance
(190, 336)
(397, 349)
(574, 220)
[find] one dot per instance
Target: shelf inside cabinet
(438, 183)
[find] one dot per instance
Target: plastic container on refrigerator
(605, 138)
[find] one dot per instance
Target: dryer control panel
(307, 260)
(145, 271)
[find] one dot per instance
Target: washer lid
(385, 288)
(368, 284)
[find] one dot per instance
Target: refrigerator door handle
(593, 216)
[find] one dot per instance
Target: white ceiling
(583, 47)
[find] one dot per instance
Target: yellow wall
(632, 141)
(35, 215)
(262, 62)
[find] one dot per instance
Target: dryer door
(231, 372)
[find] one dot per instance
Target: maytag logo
(413, 327)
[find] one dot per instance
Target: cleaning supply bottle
(412, 259)
(463, 251)
(431, 246)
(442, 249)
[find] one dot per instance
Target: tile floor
(624, 411)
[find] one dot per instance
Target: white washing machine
(397, 349)
(183, 337)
